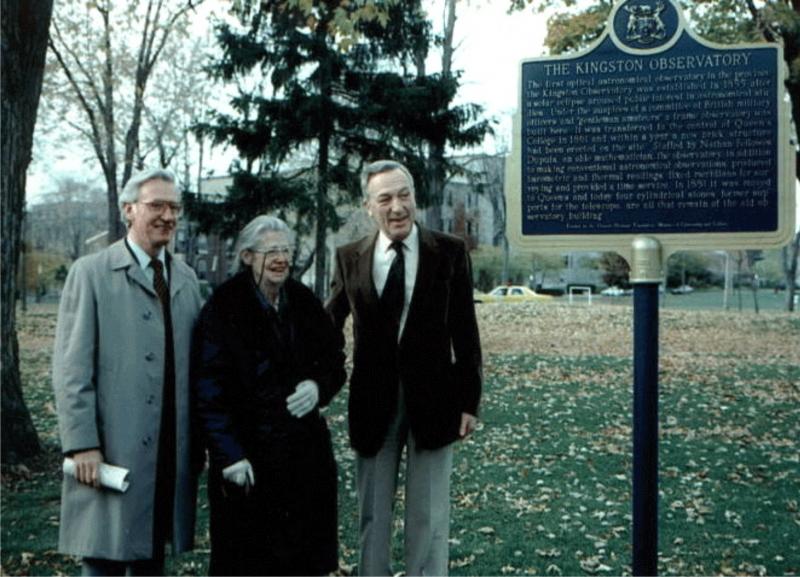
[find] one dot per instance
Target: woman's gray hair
(130, 192)
(250, 236)
(380, 166)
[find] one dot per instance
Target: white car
(613, 291)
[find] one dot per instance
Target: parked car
(510, 294)
(481, 297)
(682, 290)
(614, 291)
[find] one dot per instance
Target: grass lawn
(544, 485)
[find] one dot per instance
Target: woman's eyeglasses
(272, 252)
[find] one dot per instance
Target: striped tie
(159, 284)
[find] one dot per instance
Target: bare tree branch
(90, 80)
(96, 137)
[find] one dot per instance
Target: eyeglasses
(272, 252)
(160, 206)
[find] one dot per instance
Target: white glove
(304, 399)
(240, 473)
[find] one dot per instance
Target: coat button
(150, 356)
(150, 399)
(147, 315)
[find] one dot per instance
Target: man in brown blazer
(416, 380)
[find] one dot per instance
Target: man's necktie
(159, 284)
(165, 474)
(394, 291)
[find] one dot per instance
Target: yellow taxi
(509, 294)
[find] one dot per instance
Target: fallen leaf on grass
(553, 569)
(593, 565)
(462, 562)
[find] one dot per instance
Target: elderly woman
(266, 358)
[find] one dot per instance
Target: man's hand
(468, 424)
(304, 399)
(87, 467)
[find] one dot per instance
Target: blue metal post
(645, 429)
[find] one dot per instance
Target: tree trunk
(790, 254)
(24, 31)
(22, 279)
(435, 187)
(754, 287)
(506, 255)
(320, 244)
(116, 228)
(447, 42)
(436, 172)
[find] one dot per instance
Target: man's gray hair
(380, 166)
(130, 192)
(250, 236)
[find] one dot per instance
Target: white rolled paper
(111, 476)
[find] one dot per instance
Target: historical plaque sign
(653, 131)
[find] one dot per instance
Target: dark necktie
(162, 290)
(165, 474)
(394, 291)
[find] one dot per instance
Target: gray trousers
(427, 518)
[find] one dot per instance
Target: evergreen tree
(339, 93)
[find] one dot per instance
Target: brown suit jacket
(438, 359)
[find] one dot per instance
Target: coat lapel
(121, 258)
(426, 273)
(362, 269)
(179, 276)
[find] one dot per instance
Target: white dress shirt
(384, 257)
(144, 260)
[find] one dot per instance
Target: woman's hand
(304, 399)
(240, 473)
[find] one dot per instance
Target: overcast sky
(490, 44)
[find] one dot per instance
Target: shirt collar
(408, 242)
(142, 257)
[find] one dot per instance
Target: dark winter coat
(248, 358)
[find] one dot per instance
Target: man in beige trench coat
(120, 374)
